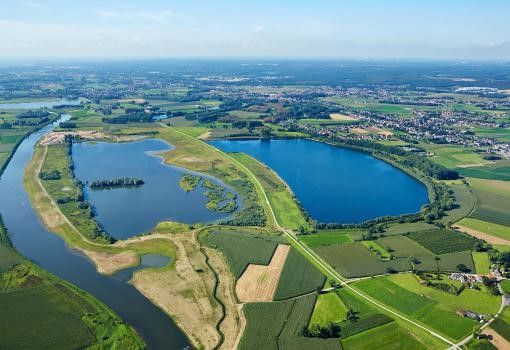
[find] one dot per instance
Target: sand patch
(497, 340)
(481, 235)
(507, 92)
(258, 282)
(205, 135)
(338, 116)
(109, 263)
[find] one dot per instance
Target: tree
(463, 268)
(265, 132)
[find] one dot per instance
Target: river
(49, 251)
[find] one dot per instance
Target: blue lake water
(336, 184)
(39, 104)
(126, 212)
(48, 250)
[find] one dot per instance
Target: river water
(49, 251)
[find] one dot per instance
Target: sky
(407, 29)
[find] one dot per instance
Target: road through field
(312, 255)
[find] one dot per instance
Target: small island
(116, 183)
(189, 182)
(219, 199)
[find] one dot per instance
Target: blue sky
(432, 29)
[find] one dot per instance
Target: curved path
(312, 255)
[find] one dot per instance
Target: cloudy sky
(432, 29)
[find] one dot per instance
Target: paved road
(312, 255)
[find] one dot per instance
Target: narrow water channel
(49, 251)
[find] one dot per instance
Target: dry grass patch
(109, 263)
(338, 116)
(481, 235)
(359, 131)
(258, 282)
(186, 291)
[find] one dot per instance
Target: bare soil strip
(497, 340)
(258, 282)
(109, 263)
(481, 235)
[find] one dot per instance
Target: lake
(336, 184)
(39, 104)
(126, 212)
(49, 251)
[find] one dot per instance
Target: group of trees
(121, 182)
(33, 114)
(331, 330)
(51, 175)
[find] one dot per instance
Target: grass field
(241, 248)
(499, 170)
(320, 239)
(466, 201)
(390, 336)
(487, 227)
(493, 200)
(355, 260)
(328, 308)
(505, 285)
(443, 241)
(482, 263)
(431, 306)
(455, 156)
(501, 134)
(398, 229)
(298, 277)
(278, 325)
(284, 205)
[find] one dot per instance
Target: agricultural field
(493, 201)
(431, 306)
(298, 277)
(482, 263)
(486, 227)
(498, 133)
(388, 337)
(454, 157)
(466, 201)
(242, 247)
(328, 308)
(443, 241)
(323, 238)
(499, 170)
(278, 325)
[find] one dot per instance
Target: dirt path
(497, 340)
(481, 235)
(258, 282)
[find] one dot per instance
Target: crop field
(241, 248)
(493, 201)
(326, 122)
(399, 229)
(355, 260)
(403, 247)
(486, 227)
(499, 170)
(482, 264)
(443, 241)
(278, 325)
(376, 249)
(245, 115)
(298, 277)
(431, 306)
(328, 308)
(502, 327)
(390, 336)
(320, 239)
